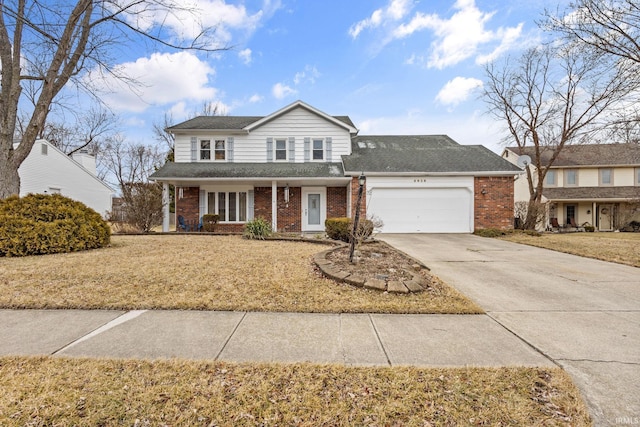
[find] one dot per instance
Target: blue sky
(393, 66)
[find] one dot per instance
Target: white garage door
(422, 210)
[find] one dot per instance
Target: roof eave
(307, 107)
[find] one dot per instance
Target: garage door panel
(422, 210)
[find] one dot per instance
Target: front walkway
(582, 313)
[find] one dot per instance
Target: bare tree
(45, 45)
(131, 165)
(610, 28)
(551, 97)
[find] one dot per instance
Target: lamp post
(361, 181)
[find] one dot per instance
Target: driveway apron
(582, 313)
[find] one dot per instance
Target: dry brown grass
(201, 272)
(622, 248)
(66, 392)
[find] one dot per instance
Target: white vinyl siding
(296, 125)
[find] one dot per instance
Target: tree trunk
(9, 182)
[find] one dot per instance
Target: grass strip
(42, 391)
(193, 272)
(621, 248)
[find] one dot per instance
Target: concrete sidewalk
(351, 339)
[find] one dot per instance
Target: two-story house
(298, 166)
(591, 183)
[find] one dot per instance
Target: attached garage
(429, 210)
(424, 205)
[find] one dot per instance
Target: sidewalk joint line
(244, 314)
(600, 361)
(123, 318)
(384, 350)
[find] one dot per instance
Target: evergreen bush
(39, 224)
(341, 228)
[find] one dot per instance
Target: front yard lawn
(201, 273)
(622, 248)
(66, 392)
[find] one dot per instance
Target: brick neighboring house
(298, 166)
(597, 184)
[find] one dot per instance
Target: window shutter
(203, 195)
(269, 149)
(292, 149)
(194, 149)
(230, 149)
(327, 147)
(307, 149)
(251, 204)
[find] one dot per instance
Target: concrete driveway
(583, 314)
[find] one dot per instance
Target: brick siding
(189, 205)
(336, 202)
(494, 209)
(354, 198)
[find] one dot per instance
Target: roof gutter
(396, 174)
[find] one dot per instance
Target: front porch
(605, 215)
(290, 206)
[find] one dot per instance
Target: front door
(605, 218)
(314, 211)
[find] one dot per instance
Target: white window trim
(226, 201)
(200, 150)
(286, 149)
(555, 178)
(324, 149)
(611, 178)
(566, 178)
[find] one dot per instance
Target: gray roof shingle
(421, 153)
(249, 170)
(590, 193)
(588, 155)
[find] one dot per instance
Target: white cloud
(160, 80)
(463, 35)
(255, 98)
(308, 75)
(281, 91)
(394, 11)
(187, 23)
(245, 56)
(457, 90)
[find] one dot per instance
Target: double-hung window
(570, 177)
(205, 149)
(281, 149)
(220, 149)
(637, 176)
(318, 149)
(606, 176)
(550, 179)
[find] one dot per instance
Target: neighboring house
(300, 166)
(47, 170)
(592, 183)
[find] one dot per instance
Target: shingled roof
(249, 170)
(591, 193)
(422, 154)
(231, 122)
(588, 155)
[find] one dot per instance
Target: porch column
(594, 214)
(165, 207)
(274, 205)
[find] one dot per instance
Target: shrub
(341, 228)
(257, 228)
(209, 222)
(40, 224)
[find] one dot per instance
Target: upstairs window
(318, 149)
(281, 149)
(570, 177)
(220, 149)
(606, 176)
(205, 149)
(550, 179)
(637, 176)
